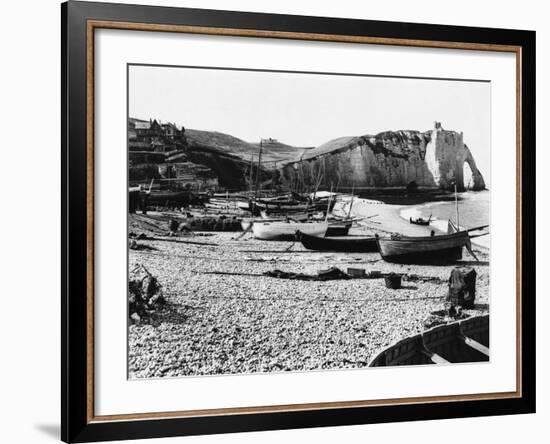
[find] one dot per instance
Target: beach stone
(262, 323)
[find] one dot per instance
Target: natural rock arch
(467, 176)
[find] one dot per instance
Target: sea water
(474, 210)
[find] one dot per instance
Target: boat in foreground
(460, 341)
(352, 244)
(282, 230)
(426, 249)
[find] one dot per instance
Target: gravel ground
(223, 324)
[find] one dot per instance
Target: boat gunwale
(457, 235)
(354, 238)
(455, 324)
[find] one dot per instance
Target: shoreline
(441, 223)
(387, 218)
(394, 218)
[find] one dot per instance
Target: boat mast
(351, 202)
(251, 179)
(329, 202)
(258, 172)
(456, 205)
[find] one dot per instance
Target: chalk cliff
(432, 159)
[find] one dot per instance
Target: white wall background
(29, 247)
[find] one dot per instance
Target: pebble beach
(243, 322)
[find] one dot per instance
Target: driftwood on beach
(179, 241)
(332, 273)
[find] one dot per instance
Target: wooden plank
(481, 227)
(476, 345)
(436, 359)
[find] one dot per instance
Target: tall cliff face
(432, 159)
(448, 158)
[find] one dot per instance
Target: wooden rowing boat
(282, 230)
(461, 341)
(301, 216)
(420, 220)
(246, 222)
(355, 244)
(426, 249)
(293, 206)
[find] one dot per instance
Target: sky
(306, 109)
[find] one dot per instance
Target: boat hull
(338, 229)
(445, 256)
(424, 250)
(300, 217)
(351, 244)
(286, 230)
(169, 197)
(246, 222)
(419, 221)
(461, 341)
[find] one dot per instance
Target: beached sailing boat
(342, 226)
(425, 249)
(281, 230)
(432, 249)
(286, 230)
(351, 244)
(246, 222)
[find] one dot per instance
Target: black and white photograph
(278, 221)
(302, 221)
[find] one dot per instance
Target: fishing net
(144, 293)
(462, 287)
(332, 273)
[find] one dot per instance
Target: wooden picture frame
(79, 22)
